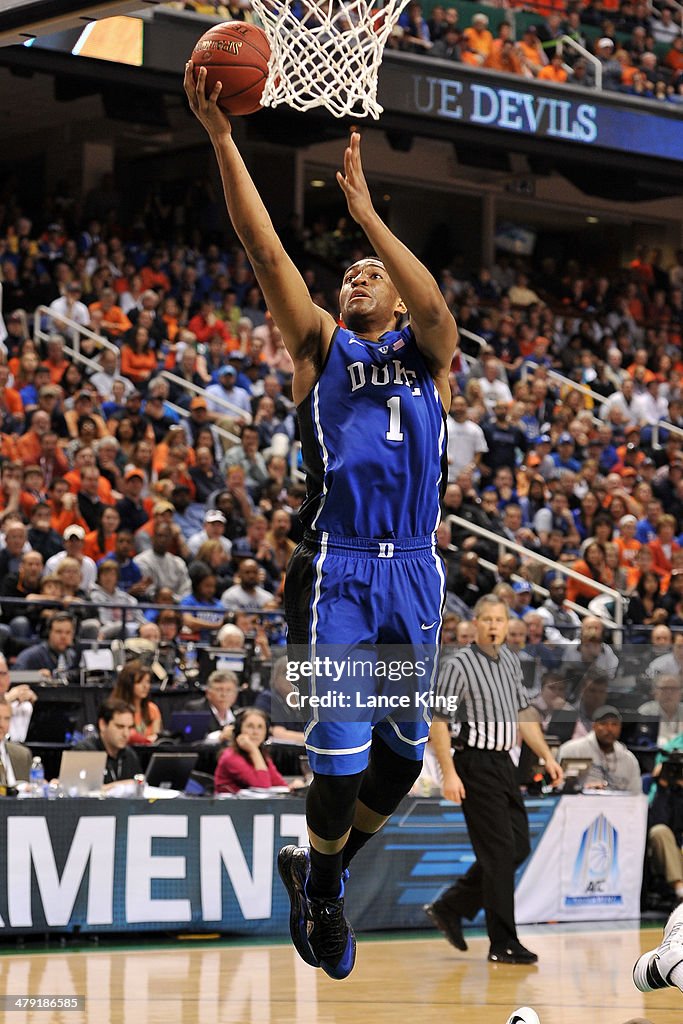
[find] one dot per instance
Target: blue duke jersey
(367, 572)
(374, 440)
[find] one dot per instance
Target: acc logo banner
(596, 878)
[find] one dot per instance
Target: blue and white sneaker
(321, 934)
(653, 969)
(294, 865)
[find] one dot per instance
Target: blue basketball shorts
(361, 600)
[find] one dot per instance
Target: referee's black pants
(499, 832)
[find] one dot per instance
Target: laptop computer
(28, 677)
(576, 771)
(170, 771)
(81, 772)
(191, 725)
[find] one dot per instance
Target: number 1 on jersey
(394, 433)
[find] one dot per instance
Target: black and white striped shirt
(490, 693)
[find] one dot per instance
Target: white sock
(676, 976)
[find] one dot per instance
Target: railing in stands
(586, 54)
(178, 409)
(670, 428)
(653, 12)
(227, 435)
(233, 410)
(543, 591)
(294, 471)
(564, 570)
(40, 335)
(567, 382)
(600, 399)
(90, 363)
(476, 338)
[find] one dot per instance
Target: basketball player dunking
(371, 400)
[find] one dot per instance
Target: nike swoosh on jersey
(352, 341)
(430, 626)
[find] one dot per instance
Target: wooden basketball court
(584, 977)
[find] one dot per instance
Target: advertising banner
(589, 862)
(209, 865)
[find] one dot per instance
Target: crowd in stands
(638, 44)
(590, 479)
(121, 486)
(119, 483)
(640, 47)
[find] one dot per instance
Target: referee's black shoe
(449, 924)
(513, 953)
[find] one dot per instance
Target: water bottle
(37, 777)
(89, 731)
(191, 667)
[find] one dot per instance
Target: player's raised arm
(432, 321)
(306, 329)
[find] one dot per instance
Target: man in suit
(15, 758)
(222, 691)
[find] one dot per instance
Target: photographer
(665, 818)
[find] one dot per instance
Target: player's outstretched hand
(353, 184)
(205, 108)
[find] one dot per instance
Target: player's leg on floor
(313, 877)
(386, 780)
(662, 967)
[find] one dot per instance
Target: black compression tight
(331, 799)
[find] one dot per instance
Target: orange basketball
(236, 54)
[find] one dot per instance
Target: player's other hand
(452, 788)
(353, 184)
(205, 108)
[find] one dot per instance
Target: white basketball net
(329, 56)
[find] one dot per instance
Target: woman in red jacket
(245, 763)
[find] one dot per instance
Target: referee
(486, 679)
